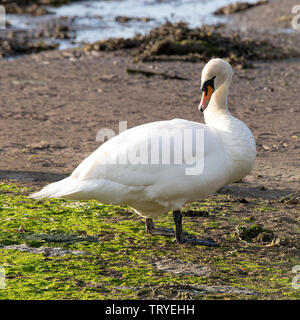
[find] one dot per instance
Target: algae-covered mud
(54, 249)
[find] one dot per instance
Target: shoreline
(59, 32)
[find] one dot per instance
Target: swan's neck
(217, 105)
(236, 138)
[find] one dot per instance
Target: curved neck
(218, 103)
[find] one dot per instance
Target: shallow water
(95, 20)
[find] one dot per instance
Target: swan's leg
(149, 225)
(179, 235)
(160, 231)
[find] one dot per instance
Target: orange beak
(206, 95)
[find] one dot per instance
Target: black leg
(149, 225)
(191, 239)
(160, 231)
(179, 236)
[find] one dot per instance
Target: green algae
(119, 259)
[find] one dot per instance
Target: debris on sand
(254, 233)
(114, 44)
(293, 198)
(125, 19)
(32, 7)
(189, 291)
(11, 47)
(176, 266)
(238, 6)
(285, 20)
(178, 42)
(47, 251)
(283, 241)
(149, 73)
(15, 42)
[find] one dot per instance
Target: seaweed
(177, 41)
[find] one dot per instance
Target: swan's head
(215, 74)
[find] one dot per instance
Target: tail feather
(60, 189)
(74, 189)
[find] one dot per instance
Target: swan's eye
(208, 83)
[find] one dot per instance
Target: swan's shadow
(31, 176)
(245, 190)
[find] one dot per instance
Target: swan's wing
(128, 158)
(104, 175)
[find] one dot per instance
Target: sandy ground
(54, 103)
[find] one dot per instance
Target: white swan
(130, 168)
